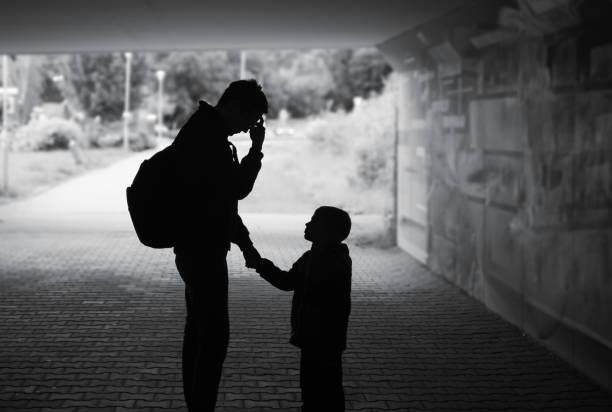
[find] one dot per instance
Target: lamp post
(126, 111)
(5, 143)
(160, 74)
(243, 59)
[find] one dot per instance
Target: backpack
(151, 200)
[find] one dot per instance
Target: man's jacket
(321, 281)
(209, 183)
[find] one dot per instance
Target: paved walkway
(91, 320)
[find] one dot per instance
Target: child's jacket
(321, 281)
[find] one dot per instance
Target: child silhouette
(321, 281)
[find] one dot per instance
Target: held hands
(258, 134)
(264, 265)
(253, 260)
(251, 257)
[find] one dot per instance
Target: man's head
(328, 225)
(242, 104)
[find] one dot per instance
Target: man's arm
(240, 236)
(249, 168)
(251, 163)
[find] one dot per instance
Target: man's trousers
(206, 335)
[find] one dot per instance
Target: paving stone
(93, 321)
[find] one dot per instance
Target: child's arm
(279, 278)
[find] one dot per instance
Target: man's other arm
(240, 236)
(247, 172)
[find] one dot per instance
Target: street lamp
(160, 74)
(126, 110)
(243, 59)
(4, 136)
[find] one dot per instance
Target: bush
(365, 136)
(373, 166)
(139, 140)
(142, 141)
(350, 159)
(112, 136)
(47, 133)
(330, 133)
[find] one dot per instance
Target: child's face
(314, 229)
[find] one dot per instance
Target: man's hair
(337, 222)
(247, 93)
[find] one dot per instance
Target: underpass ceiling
(42, 26)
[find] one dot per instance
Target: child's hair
(337, 222)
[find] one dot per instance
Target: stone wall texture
(505, 167)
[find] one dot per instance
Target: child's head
(328, 225)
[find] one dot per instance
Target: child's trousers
(321, 381)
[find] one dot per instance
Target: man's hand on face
(258, 134)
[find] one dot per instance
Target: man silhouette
(210, 181)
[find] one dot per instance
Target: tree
(194, 76)
(307, 80)
(304, 80)
(356, 72)
(265, 66)
(99, 82)
(49, 91)
(341, 94)
(367, 72)
(297, 80)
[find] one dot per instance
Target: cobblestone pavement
(92, 321)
